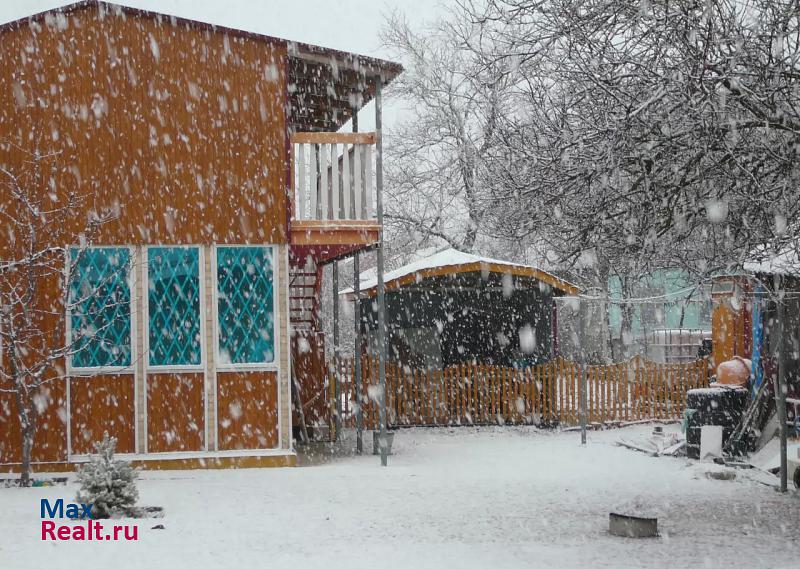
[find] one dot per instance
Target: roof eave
(555, 282)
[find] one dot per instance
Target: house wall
(677, 311)
(179, 132)
(731, 322)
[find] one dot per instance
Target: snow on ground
(483, 497)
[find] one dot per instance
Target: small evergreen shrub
(106, 483)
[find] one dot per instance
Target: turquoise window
(100, 307)
(173, 301)
(245, 305)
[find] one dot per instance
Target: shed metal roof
(785, 262)
(452, 262)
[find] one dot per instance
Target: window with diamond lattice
(245, 305)
(100, 307)
(173, 276)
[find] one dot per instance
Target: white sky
(348, 25)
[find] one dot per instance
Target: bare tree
(435, 166)
(35, 285)
(615, 139)
(654, 134)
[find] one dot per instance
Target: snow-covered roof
(785, 262)
(452, 261)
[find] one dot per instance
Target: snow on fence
(547, 394)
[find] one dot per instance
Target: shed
(745, 315)
(454, 307)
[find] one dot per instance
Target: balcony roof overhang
(327, 85)
(324, 85)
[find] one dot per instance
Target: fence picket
(483, 394)
(541, 396)
(505, 396)
(475, 371)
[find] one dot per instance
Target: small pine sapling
(106, 483)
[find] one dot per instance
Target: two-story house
(217, 153)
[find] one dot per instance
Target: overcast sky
(348, 25)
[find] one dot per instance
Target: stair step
(303, 285)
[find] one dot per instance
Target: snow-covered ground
(491, 497)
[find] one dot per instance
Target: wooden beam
(334, 233)
(333, 138)
(154, 462)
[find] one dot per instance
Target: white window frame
(262, 366)
(173, 368)
(96, 370)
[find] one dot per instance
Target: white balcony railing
(333, 176)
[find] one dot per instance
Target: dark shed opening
(454, 308)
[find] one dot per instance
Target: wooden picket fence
(545, 394)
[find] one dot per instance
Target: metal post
(337, 385)
(583, 400)
(357, 354)
(357, 338)
(780, 387)
(381, 299)
(583, 396)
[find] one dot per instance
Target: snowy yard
(464, 498)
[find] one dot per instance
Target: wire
(644, 298)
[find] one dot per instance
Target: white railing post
(313, 180)
(335, 180)
(357, 180)
(330, 186)
(302, 181)
(346, 185)
(324, 152)
(368, 181)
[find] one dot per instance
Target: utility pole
(357, 350)
(780, 385)
(583, 398)
(337, 385)
(357, 337)
(381, 300)
(582, 379)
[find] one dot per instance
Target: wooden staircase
(309, 376)
(304, 285)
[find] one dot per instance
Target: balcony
(333, 186)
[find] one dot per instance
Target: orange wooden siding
(178, 129)
(98, 404)
(731, 331)
(247, 410)
(175, 412)
(50, 441)
(309, 370)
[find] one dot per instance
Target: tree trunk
(27, 428)
(627, 314)
(27, 447)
